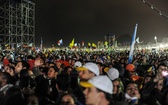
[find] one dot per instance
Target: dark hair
(64, 94)
(13, 96)
(24, 73)
(55, 68)
(162, 64)
(130, 82)
(52, 63)
(25, 65)
(6, 76)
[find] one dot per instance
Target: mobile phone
(164, 73)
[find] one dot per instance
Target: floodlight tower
(17, 22)
(110, 38)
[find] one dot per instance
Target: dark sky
(91, 20)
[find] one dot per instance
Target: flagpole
(132, 45)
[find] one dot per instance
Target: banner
(132, 45)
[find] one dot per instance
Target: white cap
(101, 82)
(91, 67)
(113, 73)
(77, 64)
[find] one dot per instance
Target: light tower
(17, 22)
(110, 38)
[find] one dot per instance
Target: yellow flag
(94, 45)
(72, 43)
(89, 44)
(106, 43)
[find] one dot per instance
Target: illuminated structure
(17, 22)
(110, 38)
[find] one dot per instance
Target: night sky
(91, 20)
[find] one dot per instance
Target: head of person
(113, 74)
(160, 84)
(117, 86)
(58, 63)
(13, 96)
(162, 67)
(130, 70)
(147, 79)
(73, 62)
(68, 69)
(87, 71)
(98, 88)
(52, 72)
(77, 64)
(38, 62)
(5, 78)
(21, 65)
(51, 64)
(32, 100)
(67, 99)
(132, 91)
(11, 70)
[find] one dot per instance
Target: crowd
(83, 78)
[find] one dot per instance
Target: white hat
(113, 73)
(77, 64)
(91, 67)
(101, 82)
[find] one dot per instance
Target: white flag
(137, 40)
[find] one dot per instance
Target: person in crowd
(5, 82)
(97, 91)
(52, 72)
(132, 94)
(118, 88)
(13, 96)
(20, 66)
(32, 100)
(58, 63)
(88, 71)
(67, 99)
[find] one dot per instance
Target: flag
(72, 43)
(94, 45)
(137, 40)
(106, 43)
(132, 45)
(60, 42)
(41, 45)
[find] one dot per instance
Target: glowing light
(161, 45)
